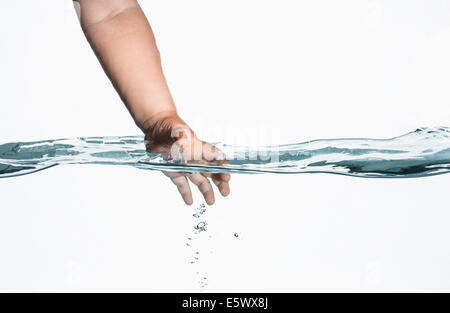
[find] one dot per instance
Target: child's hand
(169, 135)
(122, 39)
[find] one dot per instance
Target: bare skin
(123, 41)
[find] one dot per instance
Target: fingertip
(224, 189)
(209, 200)
(188, 199)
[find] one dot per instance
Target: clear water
(424, 152)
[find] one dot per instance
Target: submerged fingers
(223, 177)
(223, 186)
(221, 181)
(204, 186)
(183, 188)
(181, 180)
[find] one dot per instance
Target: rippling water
(424, 152)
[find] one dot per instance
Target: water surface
(423, 152)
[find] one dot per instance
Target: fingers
(223, 186)
(221, 181)
(204, 186)
(183, 187)
(211, 153)
(224, 177)
(201, 181)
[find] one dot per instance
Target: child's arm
(122, 38)
(123, 41)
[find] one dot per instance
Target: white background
(247, 71)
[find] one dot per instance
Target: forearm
(123, 41)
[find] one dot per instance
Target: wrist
(148, 123)
(166, 127)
